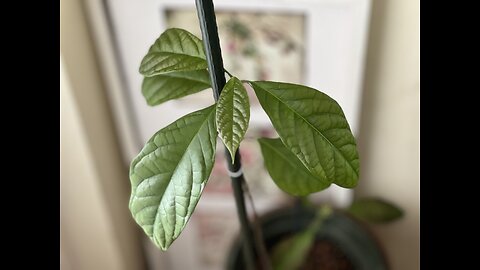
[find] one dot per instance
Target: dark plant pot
(350, 236)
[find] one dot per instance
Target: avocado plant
(314, 150)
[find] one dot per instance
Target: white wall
(97, 231)
(389, 135)
(86, 229)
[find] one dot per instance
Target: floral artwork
(255, 46)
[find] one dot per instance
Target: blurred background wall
(389, 133)
(97, 231)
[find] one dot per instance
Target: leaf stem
(257, 230)
(229, 74)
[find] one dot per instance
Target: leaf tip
(352, 183)
(232, 154)
(150, 102)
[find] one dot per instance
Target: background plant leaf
(291, 253)
(313, 126)
(173, 85)
(175, 50)
(375, 210)
(169, 174)
(287, 171)
(233, 114)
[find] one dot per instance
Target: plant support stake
(208, 26)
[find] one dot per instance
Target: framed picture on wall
(259, 45)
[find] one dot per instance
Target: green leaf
(175, 50)
(375, 210)
(313, 126)
(291, 252)
(287, 171)
(169, 174)
(233, 114)
(167, 86)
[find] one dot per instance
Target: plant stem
(208, 26)
(257, 232)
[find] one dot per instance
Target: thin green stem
(257, 230)
(229, 74)
(305, 201)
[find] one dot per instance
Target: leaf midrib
(233, 116)
(176, 53)
(181, 158)
(175, 169)
(188, 146)
(285, 158)
(178, 75)
(313, 127)
(153, 70)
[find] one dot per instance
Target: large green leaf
(175, 50)
(169, 174)
(313, 126)
(375, 210)
(287, 171)
(172, 85)
(233, 114)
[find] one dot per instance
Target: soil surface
(324, 255)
